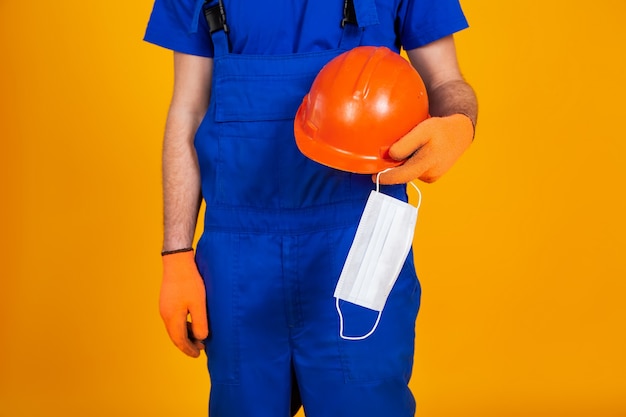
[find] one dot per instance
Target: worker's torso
(253, 175)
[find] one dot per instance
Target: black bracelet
(171, 252)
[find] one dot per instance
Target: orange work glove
(432, 147)
(182, 294)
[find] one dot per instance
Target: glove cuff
(471, 121)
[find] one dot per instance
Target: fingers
(432, 148)
(199, 327)
(411, 142)
(187, 336)
(197, 342)
(179, 334)
(415, 167)
(414, 146)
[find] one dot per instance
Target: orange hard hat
(360, 103)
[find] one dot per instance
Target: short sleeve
(426, 21)
(177, 25)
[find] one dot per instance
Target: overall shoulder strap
(216, 19)
(357, 15)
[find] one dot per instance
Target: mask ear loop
(354, 337)
(419, 193)
(378, 179)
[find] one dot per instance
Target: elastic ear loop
(354, 337)
(419, 193)
(419, 203)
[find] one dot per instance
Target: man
(278, 226)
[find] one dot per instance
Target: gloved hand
(432, 147)
(183, 293)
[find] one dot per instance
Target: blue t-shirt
(287, 26)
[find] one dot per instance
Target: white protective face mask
(382, 242)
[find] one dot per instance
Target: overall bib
(278, 227)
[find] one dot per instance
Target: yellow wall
(520, 248)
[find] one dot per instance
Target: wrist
(172, 242)
(173, 251)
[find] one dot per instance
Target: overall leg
(338, 377)
(248, 349)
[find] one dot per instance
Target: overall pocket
(246, 145)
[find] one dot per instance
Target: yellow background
(520, 248)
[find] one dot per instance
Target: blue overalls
(278, 227)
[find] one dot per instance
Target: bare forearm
(448, 93)
(451, 97)
(181, 174)
(181, 183)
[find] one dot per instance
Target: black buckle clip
(349, 14)
(216, 17)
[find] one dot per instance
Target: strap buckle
(349, 14)
(216, 17)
